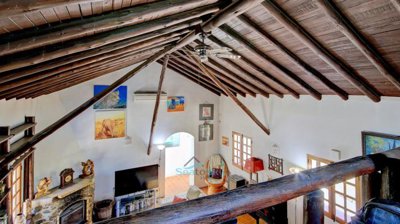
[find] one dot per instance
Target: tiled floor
(176, 184)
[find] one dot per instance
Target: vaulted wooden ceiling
(296, 47)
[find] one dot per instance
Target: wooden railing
(230, 204)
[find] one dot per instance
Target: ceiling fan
(203, 51)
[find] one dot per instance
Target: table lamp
(253, 165)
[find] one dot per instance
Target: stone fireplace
(72, 204)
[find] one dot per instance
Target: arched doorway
(179, 163)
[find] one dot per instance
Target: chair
(217, 173)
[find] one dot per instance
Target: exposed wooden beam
(229, 93)
(396, 4)
(196, 81)
(178, 29)
(33, 57)
(282, 69)
(157, 103)
(99, 23)
(83, 63)
(293, 57)
(230, 204)
(256, 67)
(306, 38)
(345, 26)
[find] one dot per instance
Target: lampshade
(253, 165)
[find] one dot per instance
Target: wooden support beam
(307, 39)
(396, 4)
(88, 61)
(293, 57)
(157, 103)
(256, 67)
(178, 29)
(229, 93)
(99, 23)
(230, 204)
(33, 57)
(282, 69)
(345, 26)
(194, 79)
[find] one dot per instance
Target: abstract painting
(176, 103)
(206, 112)
(377, 142)
(110, 124)
(114, 100)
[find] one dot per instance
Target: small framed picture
(206, 132)
(206, 112)
(225, 141)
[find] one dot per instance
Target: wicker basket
(104, 209)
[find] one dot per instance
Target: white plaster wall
(177, 157)
(306, 126)
(75, 142)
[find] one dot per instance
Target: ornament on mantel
(87, 169)
(43, 187)
(66, 177)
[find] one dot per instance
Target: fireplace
(74, 214)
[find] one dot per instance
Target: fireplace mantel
(49, 207)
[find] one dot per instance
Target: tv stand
(135, 202)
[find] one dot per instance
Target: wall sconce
(160, 147)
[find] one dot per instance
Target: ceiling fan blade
(229, 56)
(220, 50)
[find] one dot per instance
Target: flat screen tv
(136, 179)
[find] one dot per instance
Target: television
(137, 179)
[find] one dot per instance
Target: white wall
(177, 157)
(75, 142)
(306, 126)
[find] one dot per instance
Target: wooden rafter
(396, 4)
(282, 69)
(157, 103)
(345, 26)
(229, 93)
(87, 26)
(306, 38)
(292, 56)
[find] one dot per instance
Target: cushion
(193, 193)
(216, 173)
(214, 181)
(178, 200)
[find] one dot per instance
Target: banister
(230, 204)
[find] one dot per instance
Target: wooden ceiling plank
(307, 39)
(166, 33)
(75, 46)
(100, 23)
(155, 42)
(251, 47)
(293, 57)
(227, 91)
(253, 65)
(396, 4)
(345, 26)
(157, 103)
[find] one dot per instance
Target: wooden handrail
(230, 204)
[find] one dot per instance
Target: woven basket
(104, 209)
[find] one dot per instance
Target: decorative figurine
(87, 169)
(43, 187)
(66, 177)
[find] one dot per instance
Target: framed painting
(175, 104)
(206, 132)
(110, 124)
(206, 112)
(225, 141)
(114, 100)
(373, 142)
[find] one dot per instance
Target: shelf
(20, 142)
(22, 128)
(4, 138)
(4, 196)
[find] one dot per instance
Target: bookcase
(135, 202)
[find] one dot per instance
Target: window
(341, 201)
(16, 195)
(242, 149)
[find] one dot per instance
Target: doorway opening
(179, 163)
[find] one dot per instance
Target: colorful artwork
(225, 141)
(378, 142)
(206, 112)
(110, 124)
(176, 103)
(114, 100)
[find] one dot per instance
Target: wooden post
(314, 208)
(157, 104)
(230, 94)
(390, 184)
